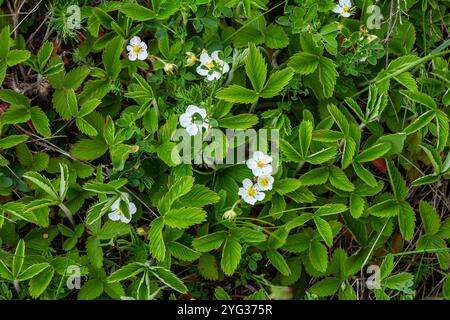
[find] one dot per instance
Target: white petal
(258, 155)
(205, 58)
(267, 159)
(129, 48)
(242, 192)
(132, 56)
(124, 219)
(215, 56)
(337, 9)
(249, 200)
(192, 130)
(258, 172)
(247, 183)
(251, 164)
(185, 120)
(132, 208)
(142, 55)
(135, 41)
(192, 109)
(202, 112)
(115, 205)
(114, 215)
(260, 196)
(345, 14)
(202, 71)
(213, 76)
(225, 68)
(143, 46)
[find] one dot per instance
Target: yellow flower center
(264, 182)
(260, 164)
(211, 65)
(251, 192)
(346, 9)
(136, 49)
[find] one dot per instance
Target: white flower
(265, 182)
(250, 193)
(137, 49)
(343, 8)
(194, 119)
(212, 66)
(363, 59)
(260, 164)
(117, 215)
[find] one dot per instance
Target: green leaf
(325, 287)
(156, 240)
(184, 218)
(207, 266)
(39, 283)
(12, 141)
(305, 136)
(339, 180)
(32, 271)
(40, 122)
(209, 242)
(4, 42)
(94, 252)
(17, 56)
(278, 262)
(18, 258)
(289, 152)
(237, 94)
(314, 177)
(111, 57)
(75, 77)
(169, 279)
(374, 152)
(398, 184)
(318, 255)
(180, 188)
(88, 149)
(304, 63)
(420, 122)
(406, 220)
(43, 183)
(430, 218)
(182, 252)
(65, 103)
(137, 12)
(231, 256)
(125, 272)
(324, 230)
(327, 76)
(199, 196)
(322, 156)
(396, 141)
(387, 208)
(15, 114)
(277, 81)
(90, 290)
(240, 121)
(276, 38)
(256, 68)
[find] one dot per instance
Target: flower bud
(230, 214)
(191, 59)
(169, 68)
(140, 231)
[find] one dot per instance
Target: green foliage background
(364, 139)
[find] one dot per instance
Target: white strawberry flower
(343, 8)
(250, 192)
(212, 66)
(116, 214)
(137, 49)
(194, 119)
(265, 182)
(260, 164)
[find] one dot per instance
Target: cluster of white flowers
(116, 214)
(343, 8)
(137, 49)
(194, 119)
(261, 167)
(211, 66)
